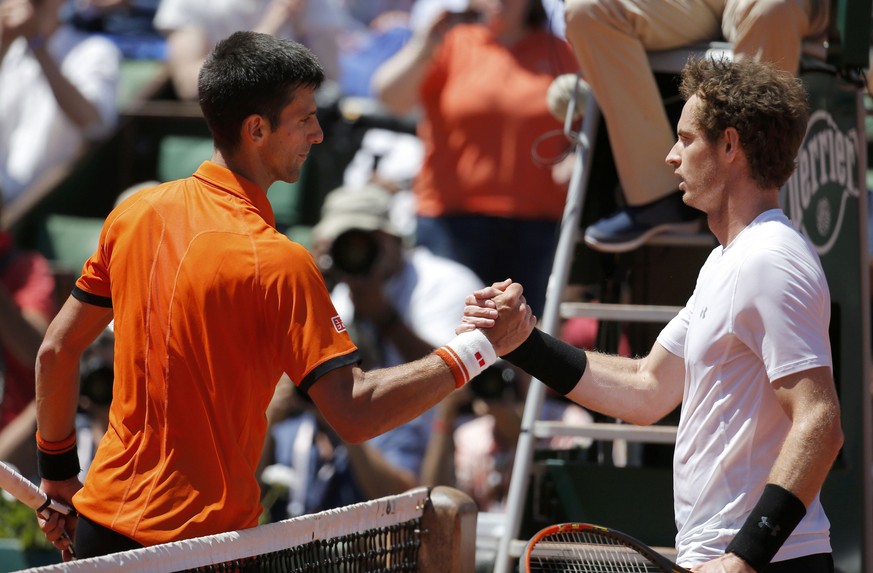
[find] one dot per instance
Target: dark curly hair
(249, 73)
(767, 107)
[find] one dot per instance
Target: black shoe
(630, 227)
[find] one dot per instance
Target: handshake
(502, 314)
(498, 322)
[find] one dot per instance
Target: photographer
(398, 303)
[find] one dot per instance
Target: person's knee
(578, 14)
(768, 14)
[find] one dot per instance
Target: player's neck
(740, 209)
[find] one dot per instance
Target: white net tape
(241, 544)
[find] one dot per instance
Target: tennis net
(412, 531)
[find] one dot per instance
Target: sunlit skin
(714, 176)
(693, 159)
(287, 144)
(276, 153)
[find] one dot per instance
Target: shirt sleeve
(93, 285)
(672, 337)
(782, 312)
(314, 339)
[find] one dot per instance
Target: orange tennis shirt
(211, 305)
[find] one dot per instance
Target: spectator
(58, 89)
(424, 12)
(610, 39)
(399, 297)
(27, 305)
(391, 160)
(398, 303)
(371, 38)
(193, 27)
(369, 12)
(129, 24)
(482, 200)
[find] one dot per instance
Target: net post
(448, 532)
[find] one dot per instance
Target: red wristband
(466, 355)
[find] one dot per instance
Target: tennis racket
(582, 548)
(30, 495)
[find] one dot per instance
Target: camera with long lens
(355, 251)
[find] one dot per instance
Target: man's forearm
(57, 395)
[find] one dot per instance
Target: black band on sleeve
(772, 520)
(57, 467)
(353, 358)
(89, 298)
(553, 362)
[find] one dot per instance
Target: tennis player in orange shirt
(211, 305)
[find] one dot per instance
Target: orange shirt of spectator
(485, 108)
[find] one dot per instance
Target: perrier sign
(822, 194)
(826, 200)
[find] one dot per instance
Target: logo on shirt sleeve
(338, 324)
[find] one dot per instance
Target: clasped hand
(502, 313)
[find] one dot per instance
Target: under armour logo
(479, 359)
(703, 312)
(765, 524)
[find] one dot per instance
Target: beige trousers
(611, 37)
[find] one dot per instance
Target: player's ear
(254, 128)
(731, 140)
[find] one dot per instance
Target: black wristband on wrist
(772, 520)
(553, 362)
(57, 467)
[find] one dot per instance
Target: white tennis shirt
(760, 311)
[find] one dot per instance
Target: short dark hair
(768, 108)
(250, 73)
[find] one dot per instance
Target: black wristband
(772, 520)
(553, 362)
(57, 467)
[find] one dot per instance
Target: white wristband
(467, 354)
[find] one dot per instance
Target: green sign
(826, 199)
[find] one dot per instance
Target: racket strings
(587, 552)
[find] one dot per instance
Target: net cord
(223, 547)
